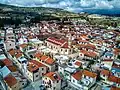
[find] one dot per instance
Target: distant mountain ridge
(110, 12)
(33, 9)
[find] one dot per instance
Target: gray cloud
(71, 5)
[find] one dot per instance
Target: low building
(76, 80)
(9, 44)
(11, 82)
(88, 78)
(104, 74)
(61, 46)
(52, 81)
(107, 63)
(35, 70)
(49, 62)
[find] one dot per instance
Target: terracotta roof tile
(77, 75)
(59, 42)
(51, 76)
(23, 45)
(7, 62)
(38, 55)
(116, 51)
(34, 65)
(89, 53)
(19, 55)
(50, 61)
(78, 63)
(12, 52)
(12, 68)
(87, 46)
(10, 80)
(90, 74)
(114, 79)
(105, 72)
(44, 57)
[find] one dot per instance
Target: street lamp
(2, 81)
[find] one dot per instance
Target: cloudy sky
(71, 5)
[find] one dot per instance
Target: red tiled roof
(37, 63)
(33, 65)
(47, 59)
(116, 51)
(23, 45)
(50, 61)
(85, 36)
(59, 42)
(38, 55)
(12, 52)
(77, 75)
(12, 68)
(105, 72)
(87, 46)
(78, 63)
(114, 79)
(51, 76)
(30, 37)
(7, 62)
(44, 57)
(99, 41)
(10, 80)
(88, 53)
(18, 55)
(90, 74)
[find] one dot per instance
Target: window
(42, 68)
(87, 82)
(57, 81)
(80, 54)
(84, 76)
(43, 82)
(54, 88)
(66, 50)
(73, 80)
(103, 75)
(36, 75)
(22, 83)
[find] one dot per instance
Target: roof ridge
(63, 44)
